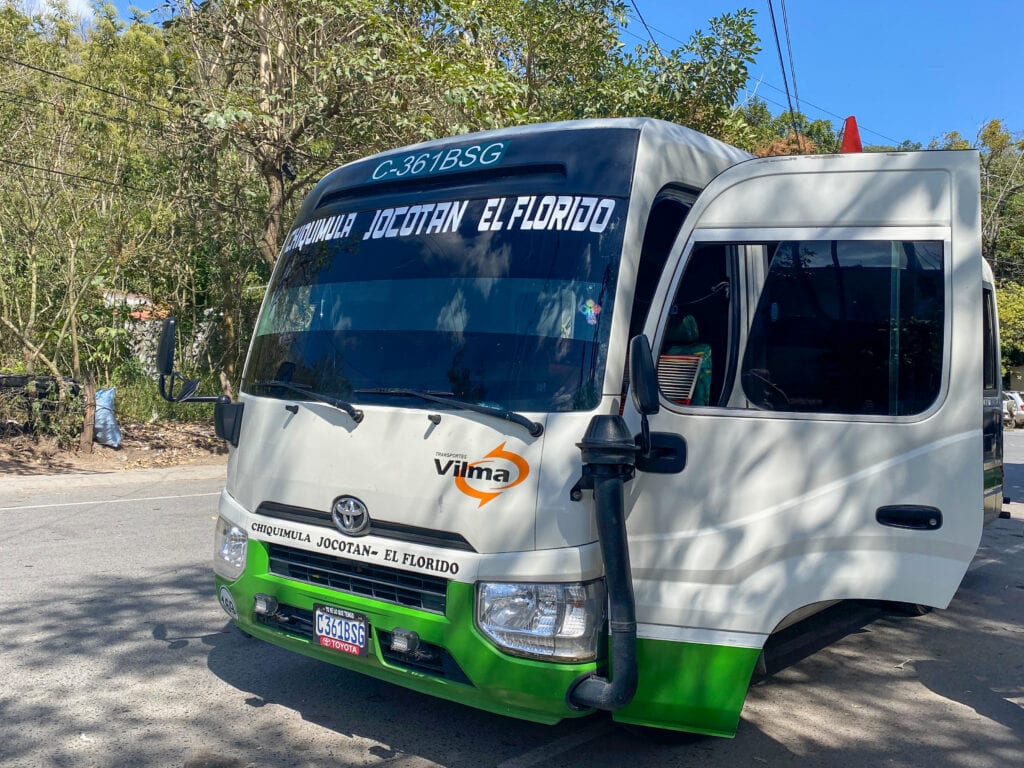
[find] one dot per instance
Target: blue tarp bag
(106, 431)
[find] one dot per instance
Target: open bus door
(837, 451)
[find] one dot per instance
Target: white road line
(557, 747)
(989, 560)
(111, 501)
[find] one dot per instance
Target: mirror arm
(186, 396)
(645, 437)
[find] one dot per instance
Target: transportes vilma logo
(486, 478)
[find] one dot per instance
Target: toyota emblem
(350, 516)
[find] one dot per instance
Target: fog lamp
(404, 641)
(264, 605)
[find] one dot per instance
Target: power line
(821, 109)
(122, 185)
(782, 68)
(827, 112)
(16, 98)
(79, 177)
(789, 48)
(185, 139)
(171, 128)
(649, 35)
(58, 75)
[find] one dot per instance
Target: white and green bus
(575, 416)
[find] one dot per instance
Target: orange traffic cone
(850, 141)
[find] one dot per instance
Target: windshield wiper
(536, 429)
(303, 389)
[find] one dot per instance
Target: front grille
(295, 621)
(389, 585)
(428, 659)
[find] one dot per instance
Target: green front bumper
(490, 680)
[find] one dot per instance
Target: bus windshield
(501, 301)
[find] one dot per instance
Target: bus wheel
(911, 609)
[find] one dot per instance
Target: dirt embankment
(142, 445)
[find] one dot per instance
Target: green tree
(166, 159)
(85, 187)
(1010, 303)
(695, 85)
(788, 133)
(1002, 195)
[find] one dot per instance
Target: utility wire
(58, 75)
(827, 112)
(142, 102)
(79, 177)
(122, 185)
(782, 68)
(789, 48)
(15, 98)
(644, 22)
(819, 108)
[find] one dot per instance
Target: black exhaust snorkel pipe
(609, 457)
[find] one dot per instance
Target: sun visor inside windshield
(580, 161)
(545, 176)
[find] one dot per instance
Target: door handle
(916, 517)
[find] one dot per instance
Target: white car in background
(1013, 409)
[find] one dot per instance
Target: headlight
(229, 545)
(560, 622)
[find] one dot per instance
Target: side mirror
(643, 383)
(168, 376)
(165, 352)
(643, 379)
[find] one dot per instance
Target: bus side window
(694, 355)
(848, 327)
(990, 346)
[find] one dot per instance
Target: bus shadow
(1013, 481)
(816, 633)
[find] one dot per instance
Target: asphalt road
(115, 653)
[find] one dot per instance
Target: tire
(911, 609)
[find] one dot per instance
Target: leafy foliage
(789, 133)
(165, 159)
(1002, 195)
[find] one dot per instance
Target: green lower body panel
(690, 687)
(682, 686)
(470, 671)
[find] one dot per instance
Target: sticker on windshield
(444, 160)
(590, 309)
(486, 478)
(549, 213)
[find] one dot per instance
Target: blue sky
(908, 69)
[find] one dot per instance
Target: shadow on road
(148, 673)
(1013, 481)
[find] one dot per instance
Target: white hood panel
(469, 474)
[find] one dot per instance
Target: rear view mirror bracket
(168, 376)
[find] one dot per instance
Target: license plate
(341, 630)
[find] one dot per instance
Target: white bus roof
(699, 156)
